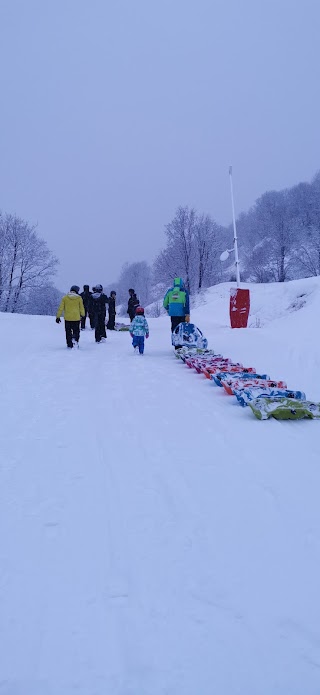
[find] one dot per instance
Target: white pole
(235, 238)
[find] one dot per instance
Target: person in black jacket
(98, 310)
(86, 294)
(132, 304)
(112, 311)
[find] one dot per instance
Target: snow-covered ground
(155, 538)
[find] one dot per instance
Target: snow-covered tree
(306, 201)
(277, 224)
(178, 259)
(209, 243)
(25, 262)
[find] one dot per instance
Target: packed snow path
(156, 539)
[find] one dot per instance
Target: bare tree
(308, 254)
(194, 244)
(306, 198)
(25, 262)
(37, 265)
(14, 230)
(166, 267)
(208, 246)
(3, 239)
(276, 223)
(181, 243)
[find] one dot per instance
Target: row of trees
(280, 235)
(279, 240)
(26, 266)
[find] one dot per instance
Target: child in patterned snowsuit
(138, 330)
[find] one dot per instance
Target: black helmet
(113, 292)
(131, 291)
(86, 288)
(75, 288)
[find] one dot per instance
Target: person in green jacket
(177, 303)
(72, 308)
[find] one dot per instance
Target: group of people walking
(77, 307)
(93, 305)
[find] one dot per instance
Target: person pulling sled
(177, 304)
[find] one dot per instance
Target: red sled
(200, 367)
(233, 385)
(200, 363)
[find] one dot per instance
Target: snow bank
(269, 301)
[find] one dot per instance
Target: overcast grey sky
(114, 112)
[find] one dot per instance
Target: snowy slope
(283, 334)
(157, 539)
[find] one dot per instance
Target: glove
(147, 336)
(58, 320)
(187, 318)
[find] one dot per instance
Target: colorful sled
(223, 376)
(201, 367)
(188, 335)
(185, 353)
(266, 397)
(250, 394)
(284, 409)
(197, 358)
(228, 368)
(232, 385)
(202, 363)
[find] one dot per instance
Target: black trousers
(111, 322)
(72, 329)
(175, 320)
(100, 326)
(83, 320)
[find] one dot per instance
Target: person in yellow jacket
(72, 308)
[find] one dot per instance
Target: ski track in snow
(156, 539)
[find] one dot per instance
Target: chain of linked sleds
(265, 396)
